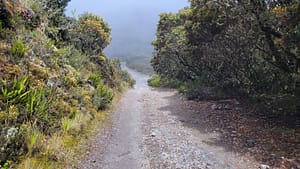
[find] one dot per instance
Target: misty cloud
(133, 22)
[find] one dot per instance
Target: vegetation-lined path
(147, 133)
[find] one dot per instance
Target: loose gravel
(147, 133)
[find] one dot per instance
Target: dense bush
(232, 49)
(158, 81)
(91, 34)
(18, 49)
(23, 104)
(155, 81)
(102, 96)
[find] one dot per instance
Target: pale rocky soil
(157, 129)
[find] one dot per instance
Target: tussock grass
(66, 149)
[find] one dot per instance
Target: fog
(133, 22)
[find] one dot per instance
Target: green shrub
(23, 104)
(77, 59)
(95, 78)
(125, 76)
(18, 48)
(33, 139)
(195, 90)
(155, 81)
(16, 91)
(158, 81)
(5, 166)
(172, 83)
(103, 94)
(102, 97)
(33, 103)
(66, 124)
(182, 89)
(95, 32)
(61, 51)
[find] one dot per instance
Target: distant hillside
(139, 63)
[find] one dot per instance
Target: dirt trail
(147, 133)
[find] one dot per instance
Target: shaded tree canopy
(240, 48)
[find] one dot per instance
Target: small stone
(90, 82)
(194, 122)
(250, 143)
(214, 107)
(11, 132)
(233, 135)
(50, 83)
(227, 107)
(93, 161)
(181, 120)
(263, 166)
(153, 134)
(238, 108)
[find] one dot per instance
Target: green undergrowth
(157, 81)
(276, 106)
(191, 89)
(68, 149)
(215, 58)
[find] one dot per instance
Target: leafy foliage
(55, 10)
(34, 103)
(102, 96)
(221, 49)
(18, 48)
(155, 81)
(91, 35)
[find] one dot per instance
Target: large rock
(263, 166)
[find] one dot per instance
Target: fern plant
(102, 97)
(66, 124)
(33, 137)
(15, 92)
(95, 78)
(18, 48)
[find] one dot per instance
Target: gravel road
(147, 132)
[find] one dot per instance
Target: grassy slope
(52, 96)
(68, 148)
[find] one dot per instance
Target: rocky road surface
(147, 132)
